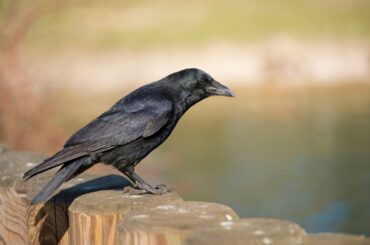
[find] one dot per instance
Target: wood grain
(94, 217)
(13, 201)
(169, 224)
(13, 228)
(49, 223)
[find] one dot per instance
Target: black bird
(129, 130)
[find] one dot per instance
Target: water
(301, 154)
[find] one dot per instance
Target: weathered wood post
(169, 224)
(13, 192)
(94, 217)
(249, 231)
(264, 231)
(49, 223)
(337, 239)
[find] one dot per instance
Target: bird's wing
(119, 127)
(113, 128)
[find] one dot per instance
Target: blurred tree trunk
(22, 110)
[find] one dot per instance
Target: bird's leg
(141, 184)
(137, 181)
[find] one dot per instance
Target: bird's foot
(144, 188)
(133, 191)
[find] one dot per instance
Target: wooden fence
(94, 210)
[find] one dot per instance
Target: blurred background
(293, 144)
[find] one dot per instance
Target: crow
(127, 132)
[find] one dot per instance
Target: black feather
(62, 175)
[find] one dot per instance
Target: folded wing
(111, 129)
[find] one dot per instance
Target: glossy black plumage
(130, 129)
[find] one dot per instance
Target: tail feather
(63, 174)
(62, 157)
(69, 154)
(42, 167)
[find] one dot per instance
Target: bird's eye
(203, 81)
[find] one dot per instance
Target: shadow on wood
(49, 221)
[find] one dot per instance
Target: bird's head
(194, 85)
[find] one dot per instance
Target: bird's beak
(217, 88)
